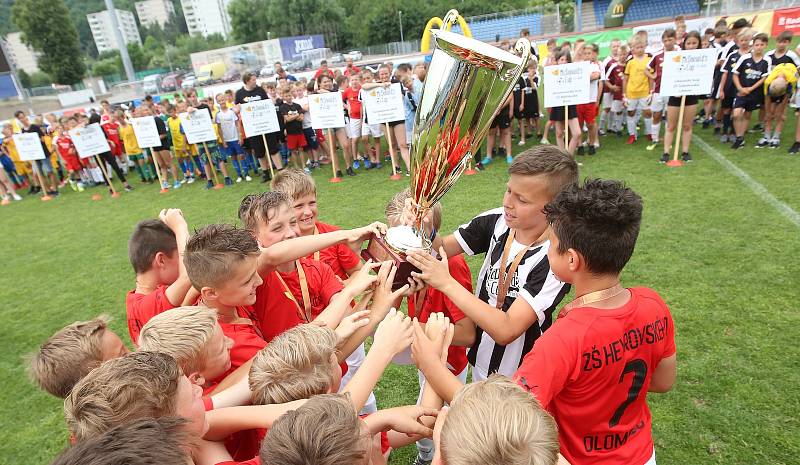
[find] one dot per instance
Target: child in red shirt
(353, 106)
(155, 250)
(66, 149)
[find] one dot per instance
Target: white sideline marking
(785, 210)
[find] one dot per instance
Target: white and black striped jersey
(749, 70)
(532, 281)
(788, 57)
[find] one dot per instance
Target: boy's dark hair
(404, 68)
(247, 76)
(212, 252)
(18, 112)
(740, 23)
(720, 31)
(599, 219)
(142, 442)
(150, 237)
(556, 165)
(761, 37)
(668, 32)
(709, 31)
(785, 36)
(564, 53)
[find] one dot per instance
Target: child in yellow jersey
(21, 169)
(132, 149)
(636, 86)
(179, 145)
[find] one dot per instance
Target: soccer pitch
(719, 242)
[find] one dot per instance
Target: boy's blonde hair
(259, 208)
(495, 422)
(394, 210)
(68, 355)
(746, 32)
(184, 333)
(138, 385)
(294, 182)
(324, 431)
(296, 365)
(556, 165)
(638, 40)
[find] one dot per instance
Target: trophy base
(378, 250)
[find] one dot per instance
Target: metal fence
(730, 7)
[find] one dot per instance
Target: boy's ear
(196, 378)
(576, 260)
(208, 294)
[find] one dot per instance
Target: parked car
(231, 75)
(152, 84)
(267, 71)
(171, 82)
(355, 55)
(210, 73)
(337, 58)
(189, 81)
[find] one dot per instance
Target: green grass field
(723, 259)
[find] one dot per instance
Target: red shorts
(587, 112)
(320, 136)
(73, 162)
(295, 141)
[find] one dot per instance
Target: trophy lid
(403, 238)
(476, 46)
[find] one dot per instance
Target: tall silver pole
(123, 47)
(400, 17)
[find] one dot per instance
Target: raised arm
(173, 218)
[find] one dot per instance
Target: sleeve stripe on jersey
(463, 243)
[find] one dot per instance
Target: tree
(46, 28)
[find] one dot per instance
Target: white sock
(97, 175)
(648, 123)
(632, 125)
(656, 129)
(603, 118)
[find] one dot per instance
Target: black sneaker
(592, 150)
(738, 143)
(128, 188)
(686, 157)
(774, 143)
(580, 150)
(705, 124)
(265, 177)
(350, 171)
(794, 148)
(664, 158)
(338, 173)
(717, 130)
(756, 128)
(479, 166)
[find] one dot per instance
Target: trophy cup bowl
(466, 85)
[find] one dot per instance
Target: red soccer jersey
(112, 134)
(322, 285)
(339, 257)
(615, 77)
(253, 461)
(246, 340)
(435, 302)
(592, 370)
(656, 65)
(351, 96)
(65, 146)
(141, 307)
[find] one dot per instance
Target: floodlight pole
(123, 47)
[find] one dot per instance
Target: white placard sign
(89, 140)
(29, 146)
(567, 84)
(259, 117)
(688, 72)
(197, 126)
(146, 132)
(327, 110)
(384, 104)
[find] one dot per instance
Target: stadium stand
(487, 30)
(643, 10)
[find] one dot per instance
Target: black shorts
(557, 113)
(779, 100)
(395, 123)
(748, 102)
(531, 105)
(256, 144)
(676, 101)
(502, 120)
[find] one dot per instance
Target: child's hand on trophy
(434, 272)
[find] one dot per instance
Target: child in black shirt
(292, 114)
(748, 77)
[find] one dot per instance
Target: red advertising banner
(786, 20)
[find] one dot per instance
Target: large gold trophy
(466, 85)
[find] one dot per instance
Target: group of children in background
(249, 339)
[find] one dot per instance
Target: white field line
(785, 210)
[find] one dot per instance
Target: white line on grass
(785, 210)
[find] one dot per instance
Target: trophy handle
(450, 19)
(523, 47)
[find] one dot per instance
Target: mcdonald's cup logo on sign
(618, 10)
